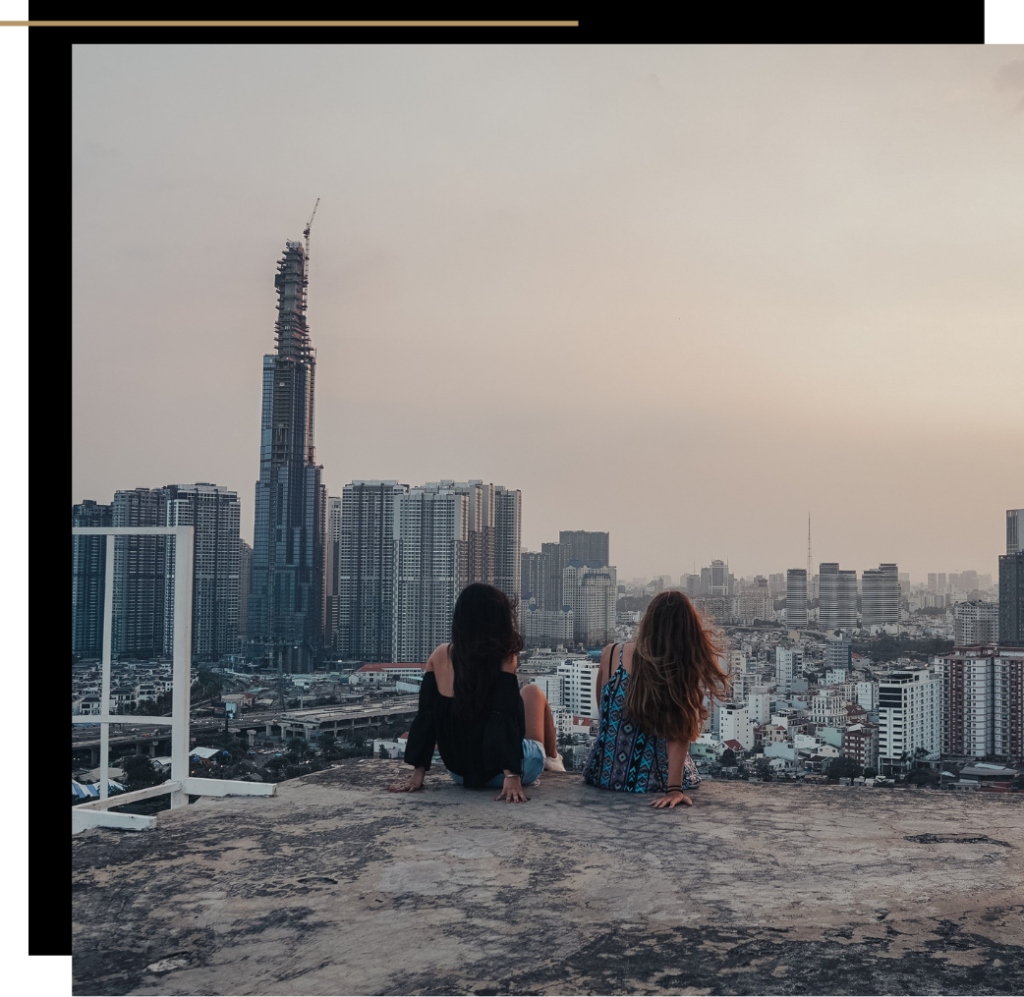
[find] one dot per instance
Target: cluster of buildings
(131, 683)
(569, 592)
(370, 575)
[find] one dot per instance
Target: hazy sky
(683, 294)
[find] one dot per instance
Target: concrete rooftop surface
(334, 886)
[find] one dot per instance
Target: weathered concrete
(337, 887)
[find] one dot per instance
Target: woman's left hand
(672, 799)
(512, 790)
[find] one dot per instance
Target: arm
(422, 739)
(676, 760)
(502, 745)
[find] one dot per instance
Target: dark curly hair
(484, 634)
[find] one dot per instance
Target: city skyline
(660, 315)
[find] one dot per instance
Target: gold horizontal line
(289, 24)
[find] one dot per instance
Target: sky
(689, 295)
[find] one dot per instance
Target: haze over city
(685, 295)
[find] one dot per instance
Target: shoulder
(438, 659)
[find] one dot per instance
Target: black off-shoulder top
(477, 750)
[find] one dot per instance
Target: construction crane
(305, 236)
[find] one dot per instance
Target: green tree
(844, 768)
(728, 757)
(383, 753)
(139, 772)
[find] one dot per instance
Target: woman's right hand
(672, 799)
(415, 783)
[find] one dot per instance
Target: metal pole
(182, 675)
(108, 616)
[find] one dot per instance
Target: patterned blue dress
(623, 757)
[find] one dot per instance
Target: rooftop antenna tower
(808, 549)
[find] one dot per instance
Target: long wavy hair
(675, 666)
(484, 634)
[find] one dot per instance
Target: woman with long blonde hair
(652, 694)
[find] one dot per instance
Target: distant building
(983, 702)
(139, 575)
(214, 512)
(735, 724)
(579, 683)
(837, 598)
(332, 566)
(909, 718)
(545, 627)
(975, 623)
(796, 598)
(88, 574)
(585, 546)
(1011, 599)
(880, 599)
(365, 560)
(591, 592)
(286, 598)
(1014, 531)
(838, 655)
(788, 667)
(553, 687)
(860, 742)
(753, 602)
(244, 578)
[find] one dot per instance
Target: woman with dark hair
(652, 695)
(489, 733)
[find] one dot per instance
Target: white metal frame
(180, 786)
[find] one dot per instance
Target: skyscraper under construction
(285, 613)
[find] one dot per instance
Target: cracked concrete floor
(334, 886)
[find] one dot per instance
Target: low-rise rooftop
(334, 886)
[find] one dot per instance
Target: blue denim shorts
(533, 765)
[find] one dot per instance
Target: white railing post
(180, 786)
(181, 679)
(108, 615)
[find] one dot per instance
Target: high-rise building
(495, 524)
(534, 577)
(88, 575)
(975, 623)
(796, 598)
(1011, 599)
(366, 572)
(591, 593)
(909, 718)
(1014, 531)
(837, 599)
(880, 601)
(332, 564)
(244, 577)
(589, 548)
(556, 557)
(214, 513)
(838, 655)
(140, 567)
(579, 682)
(788, 667)
(431, 537)
(753, 602)
(983, 702)
(286, 596)
(508, 533)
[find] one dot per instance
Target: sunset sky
(687, 295)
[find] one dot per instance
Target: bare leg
(540, 725)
